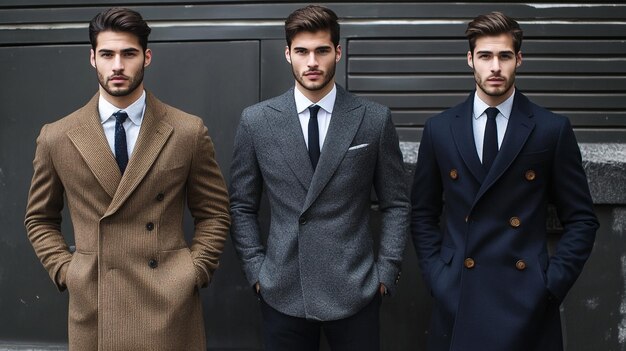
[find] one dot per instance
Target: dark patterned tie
(490, 142)
(314, 136)
(121, 150)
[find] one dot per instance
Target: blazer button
(153, 263)
(454, 174)
(530, 175)
(302, 220)
(160, 197)
(150, 226)
(515, 222)
(469, 263)
(520, 265)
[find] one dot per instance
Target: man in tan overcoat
(127, 164)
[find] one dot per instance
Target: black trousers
(359, 332)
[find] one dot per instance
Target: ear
(147, 57)
(287, 54)
(92, 58)
(470, 60)
(337, 53)
(518, 59)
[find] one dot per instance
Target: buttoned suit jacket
(133, 280)
(494, 284)
(319, 260)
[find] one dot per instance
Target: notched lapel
(91, 143)
(153, 135)
(344, 124)
(282, 118)
(518, 130)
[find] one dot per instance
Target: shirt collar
(134, 111)
(505, 107)
(326, 103)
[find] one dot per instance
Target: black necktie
(121, 151)
(490, 142)
(314, 136)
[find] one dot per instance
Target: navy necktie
(490, 142)
(121, 151)
(314, 136)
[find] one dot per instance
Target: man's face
(120, 60)
(313, 58)
(494, 63)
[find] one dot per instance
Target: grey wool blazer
(318, 261)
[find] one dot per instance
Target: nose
(495, 65)
(118, 65)
(312, 60)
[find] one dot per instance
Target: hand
(382, 289)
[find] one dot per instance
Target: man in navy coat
(492, 173)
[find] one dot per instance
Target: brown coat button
(160, 197)
(515, 222)
(530, 175)
(469, 263)
(153, 263)
(454, 174)
(149, 226)
(520, 265)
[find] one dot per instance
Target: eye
(506, 57)
(300, 51)
(106, 54)
(484, 56)
(130, 54)
(323, 51)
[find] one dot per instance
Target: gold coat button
(530, 175)
(515, 222)
(469, 263)
(520, 265)
(454, 174)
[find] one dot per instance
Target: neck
(316, 95)
(494, 101)
(122, 102)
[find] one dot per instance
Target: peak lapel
(344, 123)
(152, 137)
(518, 129)
(91, 143)
(282, 118)
(463, 133)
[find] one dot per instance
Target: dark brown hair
(312, 18)
(494, 23)
(118, 19)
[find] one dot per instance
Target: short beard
(328, 78)
(134, 83)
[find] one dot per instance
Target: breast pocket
(358, 150)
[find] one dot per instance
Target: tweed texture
(122, 224)
(319, 261)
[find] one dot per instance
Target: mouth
(118, 79)
(496, 80)
(313, 74)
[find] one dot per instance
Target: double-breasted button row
(149, 226)
(515, 222)
(530, 175)
(454, 174)
(520, 265)
(153, 263)
(469, 263)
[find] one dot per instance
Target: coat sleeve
(426, 203)
(570, 194)
(43, 214)
(207, 199)
(246, 188)
(391, 189)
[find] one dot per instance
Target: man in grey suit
(317, 151)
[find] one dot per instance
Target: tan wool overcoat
(133, 280)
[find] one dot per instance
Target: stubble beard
(133, 84)
(327, 78)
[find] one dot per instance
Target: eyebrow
(491, 52)
(123, 50)
(317, 48)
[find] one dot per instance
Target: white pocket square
(357, 146)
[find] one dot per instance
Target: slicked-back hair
(119, 19)
(494, 24)
(312, 19)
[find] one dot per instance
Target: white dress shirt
(132, 124)
(479, 121)
(326, 105)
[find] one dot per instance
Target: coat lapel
(91, 143)
(518, 129)
(345, 121)
(463, 134)
(283, 121)
(152, 137)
